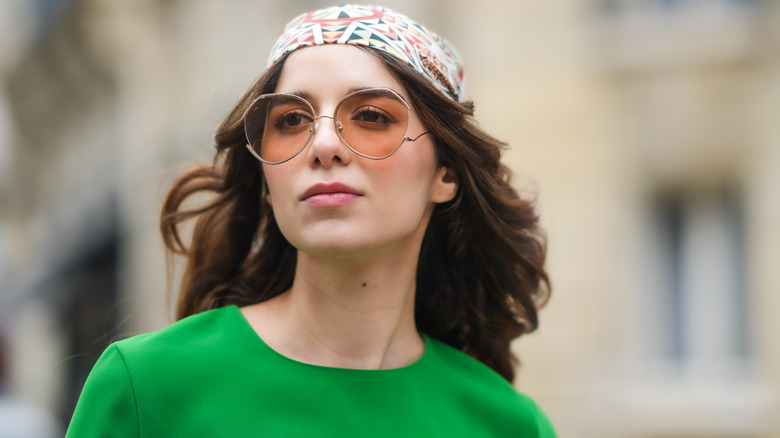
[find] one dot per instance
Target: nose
(326, 146)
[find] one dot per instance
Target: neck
(345, 313)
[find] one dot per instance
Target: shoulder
(474, 382)
(201, 328)
(188, 358)
(457, 364)
(193, 339)
(166, 371)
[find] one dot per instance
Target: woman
(361, 268)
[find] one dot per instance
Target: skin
(351, 304)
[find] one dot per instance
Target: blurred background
(649, 131)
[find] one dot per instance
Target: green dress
(210, 375)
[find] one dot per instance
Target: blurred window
(700, 289)
(49, 12)
(612, 6)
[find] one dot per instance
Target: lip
(330, 195)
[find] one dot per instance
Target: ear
(445, 185)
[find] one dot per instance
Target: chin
(336, 248)
(344, 240)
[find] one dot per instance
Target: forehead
(332, 70)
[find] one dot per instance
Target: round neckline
(258, 340)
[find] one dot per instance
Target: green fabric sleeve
(544, 425)
(107, 406)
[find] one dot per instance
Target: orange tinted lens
(279, 126)
(373, 122)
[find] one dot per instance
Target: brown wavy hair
(480, 277)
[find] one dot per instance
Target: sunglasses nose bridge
(317, 123)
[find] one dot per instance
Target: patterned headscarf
(382, 29)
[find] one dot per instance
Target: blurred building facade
(645, 127)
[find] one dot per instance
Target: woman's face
(330, 202)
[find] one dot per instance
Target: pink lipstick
(330, 195)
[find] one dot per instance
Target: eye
(293, 119)
(373, 116)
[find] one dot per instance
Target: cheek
(418, 165)
(278, 185)
(408, 180)
(277, 178)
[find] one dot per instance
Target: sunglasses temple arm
(415, 139)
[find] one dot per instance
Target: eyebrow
(355, 89)
(307, 96)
